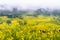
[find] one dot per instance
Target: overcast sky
(32, 4)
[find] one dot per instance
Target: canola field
(30, 28)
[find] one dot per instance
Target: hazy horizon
(31, 4)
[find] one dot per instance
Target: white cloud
(32, 3)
